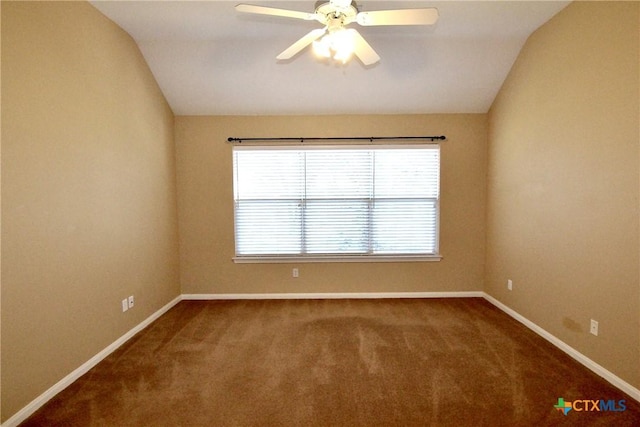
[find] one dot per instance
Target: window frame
(341, 258)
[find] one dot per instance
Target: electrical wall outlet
(130, 301)
(125, 305)
(295, 272)
(594, 327)
(510, 284)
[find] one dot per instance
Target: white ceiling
(211, 60)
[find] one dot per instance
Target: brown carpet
(438, 362)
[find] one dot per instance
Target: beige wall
(206, 207)
(88, 192)
(563, 178)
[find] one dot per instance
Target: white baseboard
(584, 360)
(39, 401)
(352, 295)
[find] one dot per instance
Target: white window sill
(334, 258)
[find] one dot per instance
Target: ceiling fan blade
(262, 10)
(305, 41)
(362, 49)
(426, 16)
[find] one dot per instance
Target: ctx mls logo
(588, 405)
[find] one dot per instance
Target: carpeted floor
(435, 362)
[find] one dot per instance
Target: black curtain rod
(341, 138)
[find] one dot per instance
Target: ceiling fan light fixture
(338, 44)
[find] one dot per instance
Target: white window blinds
(336, 201)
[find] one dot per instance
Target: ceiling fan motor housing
(336, 14)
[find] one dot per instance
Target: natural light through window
(336, 202)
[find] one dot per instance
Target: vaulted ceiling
(211, 60)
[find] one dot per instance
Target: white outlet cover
(125, 305)
(594, 327)
(131, 301)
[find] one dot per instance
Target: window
(336, 202)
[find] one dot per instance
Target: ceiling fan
(335, 40)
